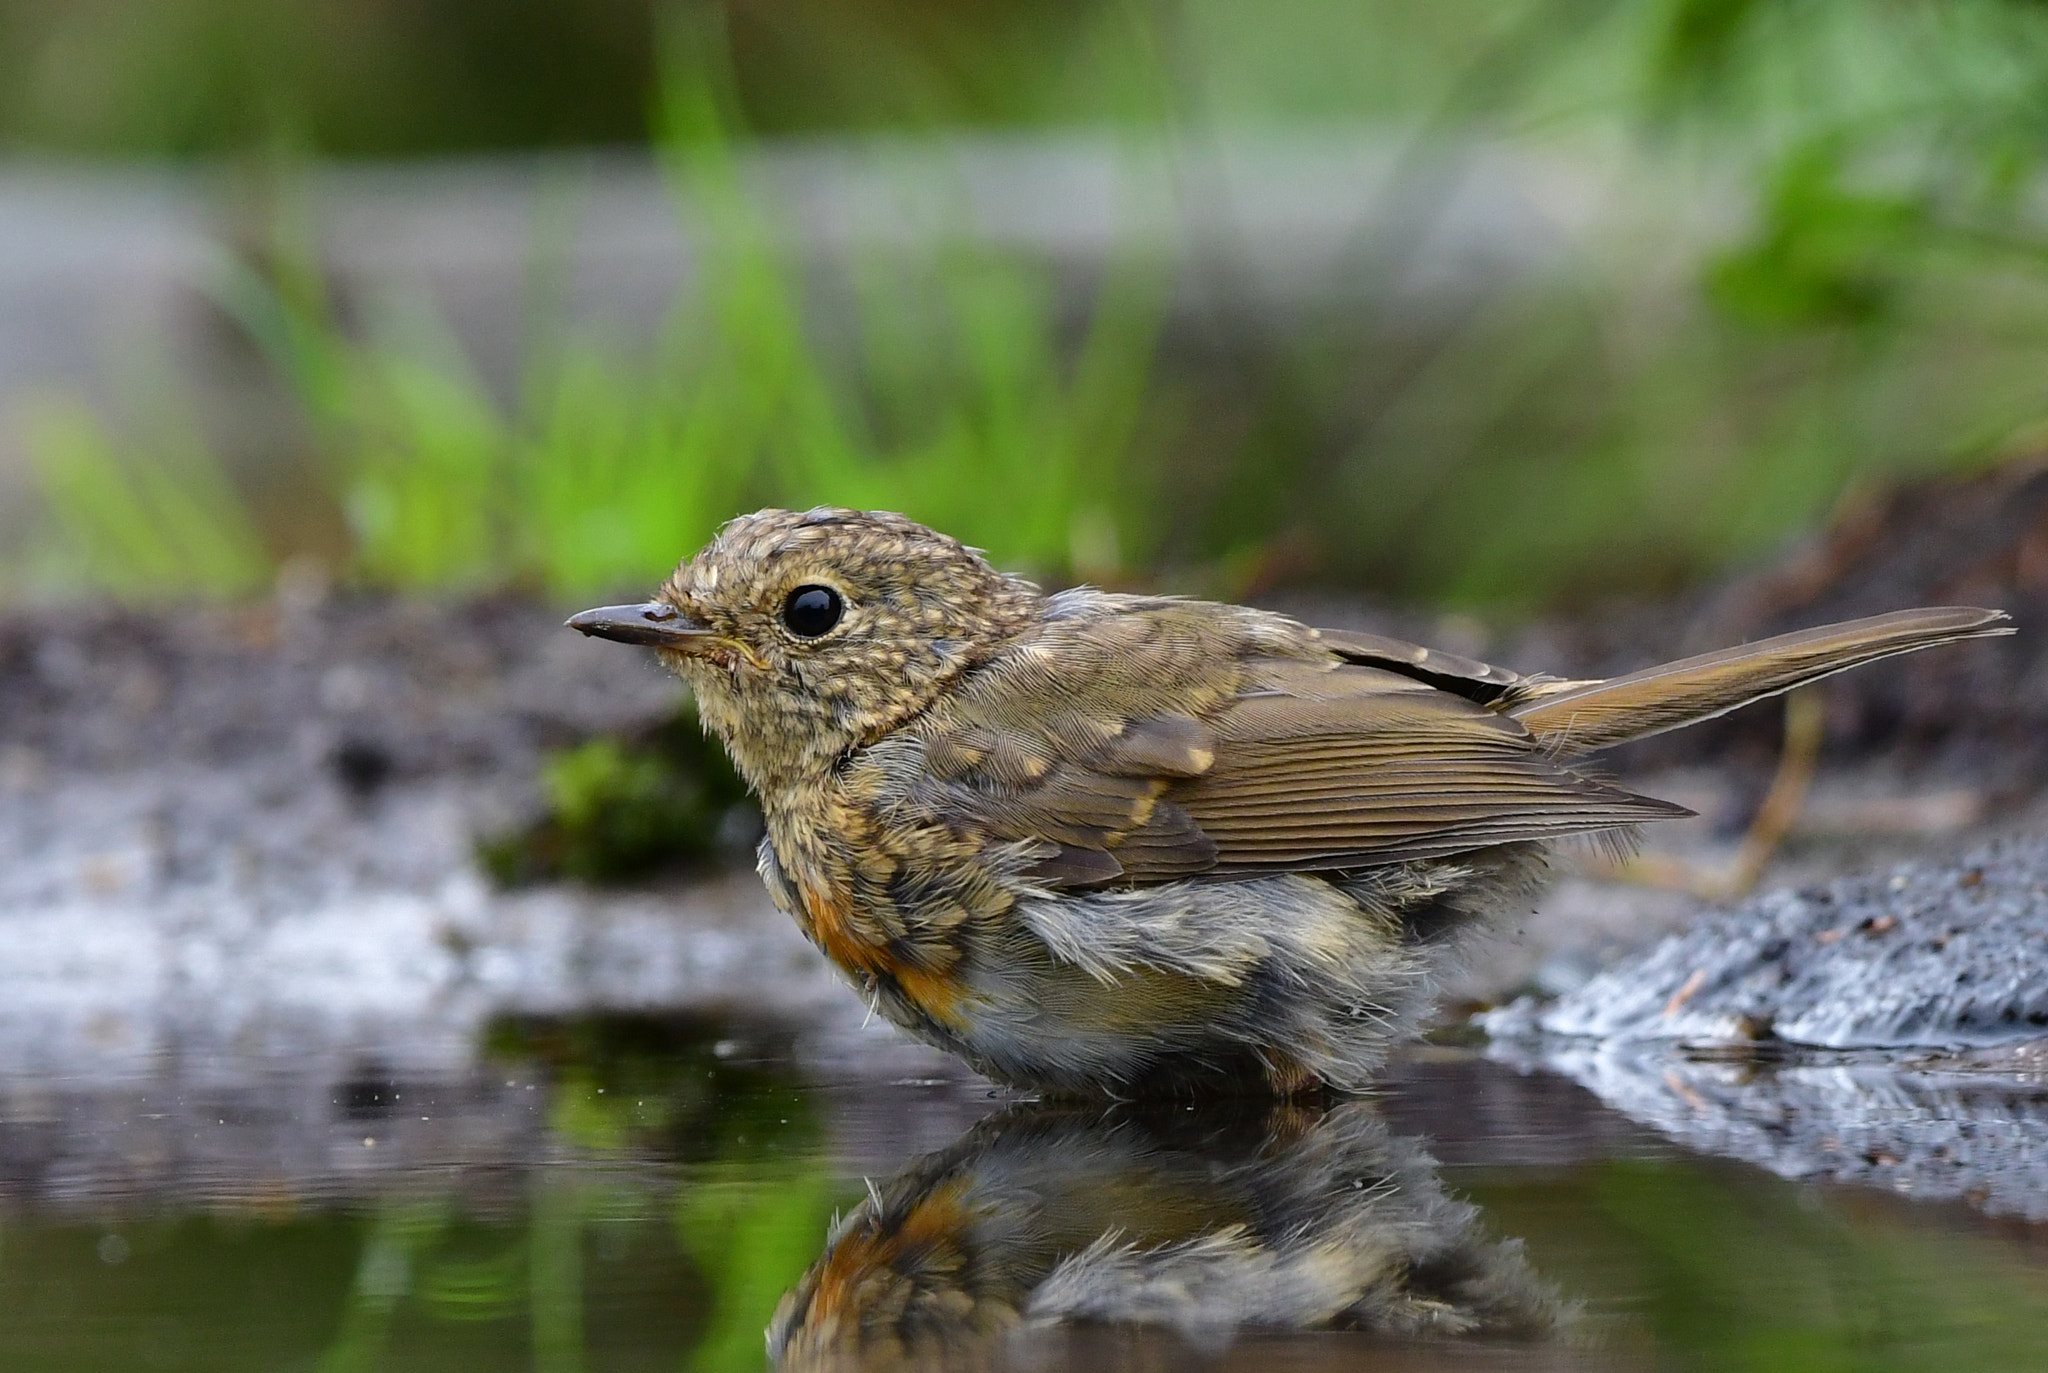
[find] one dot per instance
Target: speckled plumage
(1297, 1216)
(1094, 842)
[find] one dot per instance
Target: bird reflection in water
(1275, 1217)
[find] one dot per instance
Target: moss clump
(620, 808)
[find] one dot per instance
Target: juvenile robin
(1098, 843)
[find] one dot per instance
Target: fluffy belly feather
(1274, 979)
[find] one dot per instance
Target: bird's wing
(1334, 768)
(1152, 747)
(1452, 672)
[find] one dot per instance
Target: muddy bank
(1975, 715)
(242, 836)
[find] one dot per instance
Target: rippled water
(633, 1193)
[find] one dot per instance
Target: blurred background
(1488, 306)
(382, 983)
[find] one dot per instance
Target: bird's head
(805, 634)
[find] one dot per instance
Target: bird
(1248, 1216)
(1110, 844)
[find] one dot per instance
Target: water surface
(639, 1193)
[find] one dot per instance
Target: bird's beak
(655, 624)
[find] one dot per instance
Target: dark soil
(575, 762)
(358, 694)
(234, 839)
(1976, 712)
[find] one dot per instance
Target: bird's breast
(854, 943)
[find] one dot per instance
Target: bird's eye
(812, 610)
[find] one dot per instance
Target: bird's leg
(1287, 1075)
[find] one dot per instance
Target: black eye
(812, 610)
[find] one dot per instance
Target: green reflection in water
(1726, 1268)
(758, 1236)
(679, 1195)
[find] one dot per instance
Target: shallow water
(627, 1193)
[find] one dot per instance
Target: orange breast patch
(833, 928)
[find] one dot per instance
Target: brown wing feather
(1163, 747)
(1370, 776)
(1452, 672)
(1070, 742)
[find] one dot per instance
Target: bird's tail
(1579, 717)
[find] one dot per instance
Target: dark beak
(656, 624)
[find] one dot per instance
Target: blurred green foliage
(151, 512)
(343, 78)
(348, 78)
(962, 405)
(180, 78)
(1874, 306)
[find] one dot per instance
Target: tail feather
(1580, 717)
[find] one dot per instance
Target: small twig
(1805, 721)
